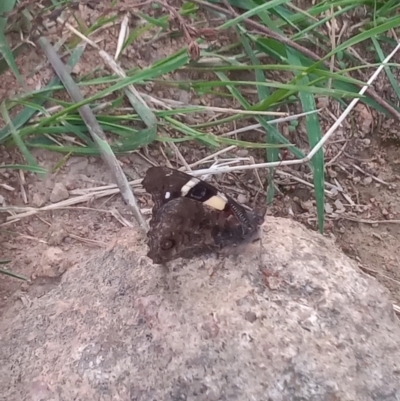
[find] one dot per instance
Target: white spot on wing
(189, 185)
(167, 195)
(217, 202)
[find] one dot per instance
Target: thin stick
(370, 175)
(351, 105)
(369, 221)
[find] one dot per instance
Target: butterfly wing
(181, 228)
(190, 216)
(165, 184)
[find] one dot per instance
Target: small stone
(242, 152)
(250, 317)
(339, 205)
(38, 200)
(51, 263)
(59, 193)
(367, 181)
(334, 191)
(242, 198)
(306, 205)
(56, 234)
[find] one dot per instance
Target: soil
(366, 223)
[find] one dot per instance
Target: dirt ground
(364, 218)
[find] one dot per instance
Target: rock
(51, 263)
(307, 205)
(242, 152)
(339, 206)
(59, 193)
(56, 234)
(241, 198)
(328, 208)
(38, 200)
(121, 328)
(367, 181)
(77, 165)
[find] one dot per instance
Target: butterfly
(192, 217)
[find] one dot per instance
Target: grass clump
(279, 57)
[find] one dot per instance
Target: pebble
(242, 152)
(59, 193)
(56, 234)
(339, 205)
(335, 191)
(367, 181)
(51, 263)
(306, 205)
(242, 198)
(38, 200)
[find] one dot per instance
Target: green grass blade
(10, 273)
(8, 56)
(14, 275)
(17, 139)
(26, 114)
(263, 93)
(5, 50)
(366, 35)
(32, 169)
(272, 130)
(314, 136)
(392, 79)
(266, 44)
(252, 12)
